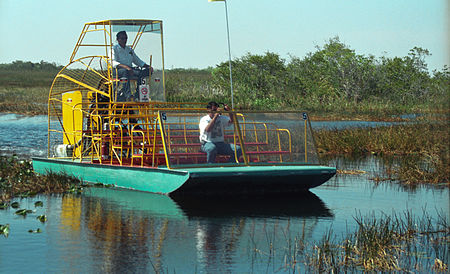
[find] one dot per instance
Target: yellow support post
(241, 141)
(306, 144)
(161, 127)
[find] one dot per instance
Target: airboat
(148, 144)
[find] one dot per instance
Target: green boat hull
(202, 180)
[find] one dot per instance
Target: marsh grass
(17, 179)
(26, 78)
(422, 149)
(24, 100)
(398, 242)
(403, 139)
(25, 91)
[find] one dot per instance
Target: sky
(195, 30)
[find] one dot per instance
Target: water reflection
(223, 224)
(71, 213)
(127, 228)
(135, 231)
(277, 206)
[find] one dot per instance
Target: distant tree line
(334, 75)
(332, 78)
(29, 66)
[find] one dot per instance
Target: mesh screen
(265, 138)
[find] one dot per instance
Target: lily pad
(42, 218)
(38, 203)
(35, 231)
(23, 212)
(15, 205)
(4, 229)
(4, 205)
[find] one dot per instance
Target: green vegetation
(17, 179)
(333, 80)
(24, 86)
(4, 230)
(192, 85)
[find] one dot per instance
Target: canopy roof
(130, 25)
(126, 22)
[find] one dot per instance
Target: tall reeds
(422, 148)
(25, 91)
(24, 100)
(399, 242)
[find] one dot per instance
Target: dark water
(111, 230)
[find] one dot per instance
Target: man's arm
(115, 57)
(227, 108)
(116, 60)
(124, 67)
(138, 60)
(211, 123)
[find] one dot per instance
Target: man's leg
(228, 149)
(143, 73)
(124, 93)
(211, 152)
(238, 151)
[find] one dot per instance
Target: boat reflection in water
(136, 231)
(304, 204)
(229, 230)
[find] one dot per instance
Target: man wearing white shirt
(123, 58)
(212, 134)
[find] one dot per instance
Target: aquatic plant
(38, 203)
(399, 242)
(4, 205)
(42, 218)
(23, 212)
(35, 231)
(4, 229)
(24, 100)
(17, 179)
(15, 205)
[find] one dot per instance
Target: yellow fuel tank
(72, 118)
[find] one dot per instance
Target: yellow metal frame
(145, 134)
(106, 26)
(155, 133)
(78, 79)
